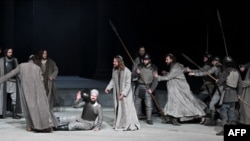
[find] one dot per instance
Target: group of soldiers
(223, 91)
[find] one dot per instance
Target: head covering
(120, 57)
(228, 59)
(208, 55)
(146, 57)
(216, 58)
(94, 91)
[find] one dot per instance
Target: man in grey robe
(181, 104)
(9, 88)
(34, 101)
(125, 114)
(245, 97)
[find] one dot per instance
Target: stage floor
(14, 130)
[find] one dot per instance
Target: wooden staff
(222, 31)
(191, 61)
(207, 40)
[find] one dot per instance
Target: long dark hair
(171, 56)
(120, 61)
(6, 51)
(40, 53)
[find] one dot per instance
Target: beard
(9, 57)
(146, 64)
(92, 101)
(116, 67)
(169, 64)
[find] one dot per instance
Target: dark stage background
(78, 36)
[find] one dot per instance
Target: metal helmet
(228, 59)
(146, 57)
(216, 58)
(208, 55)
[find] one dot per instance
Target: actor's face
(146, 61)
(9, 53)
(115, 63)
(93, 97)
(142, 51)
(205, 59)
(45, 54)
(168, 60)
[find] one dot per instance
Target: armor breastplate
(147, 74)
(88, 112)
(232, 79)
(9, 65)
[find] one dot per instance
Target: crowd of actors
(223, 96)
(28, 90)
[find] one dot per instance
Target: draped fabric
(34, 100)
(181, 102)
(125, 114)
(245, 108)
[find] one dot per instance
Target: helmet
(216, 58)
(208, 55)
(146, 57)
(228, 59)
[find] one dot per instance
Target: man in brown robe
(50, 72)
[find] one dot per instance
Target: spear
(244, 101)
(222, 31)
(219, 19)
(191, 61)
(124, 46)
(207, 40)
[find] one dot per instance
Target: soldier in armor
(9, 89)
(138, 60)
(215, 72)
(92, 114)
(147, 83)
(231, 81)
(208, 86)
